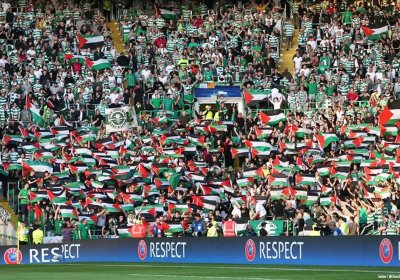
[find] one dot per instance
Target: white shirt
(297, 62)
(146, 73)
(169, 68)
(261, 210)
(113, 97)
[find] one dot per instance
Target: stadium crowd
(315, 152)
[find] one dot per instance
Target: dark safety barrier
(340, 251)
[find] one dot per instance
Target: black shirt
(98, 119)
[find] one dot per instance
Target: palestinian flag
(126, 178)
(246, 182)
(175, 179)
(254, 173)
(323, 171)
(111, 208)
(124, 233)
(263, 132)
(69, 212)
(301, 132)
(31, 146)
(37, 196)
(38, 212)
(260, 151)
(12, 138)
(325, 190)
(197, 140)
(374, 32)
(8, 166)
(98, 64)
(127, 207)
(276, 193)
(57, 198)
(241, 228)
(241, 152)
(389, 130)
(36, 117)
(74, 186)
(73, 57)
(326, 139)
(37, 166)
(278, 180)
(89, 41)
(178, 208)
(272, 117)
(146, 210)
(252, 98)
(91, 219)
(373, 130)
(340, 173)
(327, 201)
(77, 168)
(238, 200)
(310, 200)
(166, 14)
(174, 227)
(390, 114)
(305, 179)
(131, 198)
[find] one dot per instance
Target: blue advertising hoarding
(340, 251)
(230, 91)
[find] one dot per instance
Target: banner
(328, 251)
(52, 239)
(117, 119)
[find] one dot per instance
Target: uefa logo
(250, 250)
(386, 251)
(142, 250)
(12, 255)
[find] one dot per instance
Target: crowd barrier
(329, 251)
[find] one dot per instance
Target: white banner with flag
(117, 119)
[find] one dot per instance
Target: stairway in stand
(8, 231)
(116, 37)
(287, 54)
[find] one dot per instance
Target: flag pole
(18, 237)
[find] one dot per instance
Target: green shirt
(25, 194)
(58, 225)
(312, 88)
(347, 17)
(168, 102)
(84, 230)
(131, 81)
(156, 102)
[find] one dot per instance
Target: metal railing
(5, 217)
